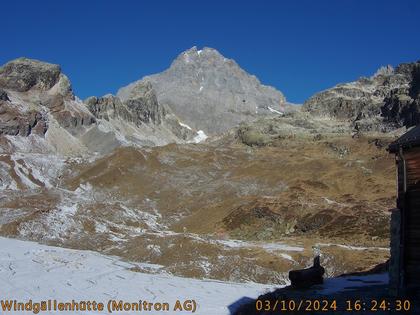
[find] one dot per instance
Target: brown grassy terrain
(180, 206)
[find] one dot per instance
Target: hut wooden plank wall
(412, 218)
(405, 225)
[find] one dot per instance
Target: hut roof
(410, 139)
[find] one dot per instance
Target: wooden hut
(405, 220)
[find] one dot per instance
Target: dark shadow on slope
(234, 307)
(341, 295)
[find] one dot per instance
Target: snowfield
(200, 137)
(30, 271)
(275, 111)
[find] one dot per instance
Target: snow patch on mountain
(274, 111)
(185, 125)
(267, 246)
(29, 171)
(200, 137)
(349, 247)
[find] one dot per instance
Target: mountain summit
(210, 92)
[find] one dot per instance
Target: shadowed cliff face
(402, 105)
(210, 92)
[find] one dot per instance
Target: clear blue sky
(300, 47)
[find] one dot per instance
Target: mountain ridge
(387, 100)
(210, 91)
(201, 92)
(38, 104)
(137, 115)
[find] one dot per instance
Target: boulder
(3, 96)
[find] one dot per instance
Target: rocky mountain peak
(24, 74)
(199, 57)
(37, 103)
(208, 63)
(210, 92)
(384, 71)
(38, 111)
(387, 100)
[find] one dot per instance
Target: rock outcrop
(387, 100)
(210, 92)
(37, 103)
(142, 108)
(15, 123)
(32, 93)
(139, 120)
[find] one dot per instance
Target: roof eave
(395, 147)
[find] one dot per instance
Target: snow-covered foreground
(30, 271)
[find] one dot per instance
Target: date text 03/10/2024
(402, 305)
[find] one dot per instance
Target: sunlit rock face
(40, 113)
(210, 92)
(387, 100)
